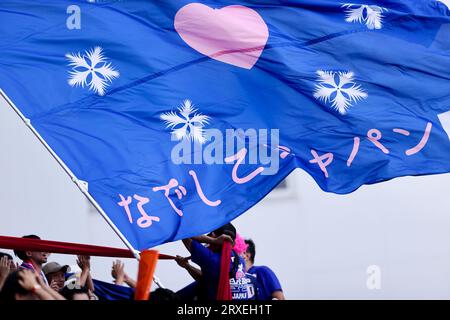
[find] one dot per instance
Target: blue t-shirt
(267, 281)
(209, 262)
(243, 285)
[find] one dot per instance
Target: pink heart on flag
(235, 34)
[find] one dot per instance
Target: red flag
(224, 290)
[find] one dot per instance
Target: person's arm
(203, 239)
(32, 282)
(84, 263)
(42, 293)
(278, 295)
(4, 270)
(119, 275)
(53, 293)
(203, 256)
(92, 296)
(90, 283)
(206, 239)
(130, 281)
(193, 271)
(54, 285)
(210, 240)
(272, 283)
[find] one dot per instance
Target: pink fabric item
(239, 245)
(234, 34)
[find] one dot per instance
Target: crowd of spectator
(36, 278)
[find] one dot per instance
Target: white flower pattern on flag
(371, 15)
(91, 69)
(188, 123)
(339, 89)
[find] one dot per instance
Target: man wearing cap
(55, 274)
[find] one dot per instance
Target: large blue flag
(179, 115)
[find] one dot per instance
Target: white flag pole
(79, 183)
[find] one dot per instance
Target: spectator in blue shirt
(208, 259)
(269, 286)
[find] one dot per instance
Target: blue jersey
(209, 262)
(267, 281)
(242, 287)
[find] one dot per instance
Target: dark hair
(12, 287)
(227, 229)
(4, 254)
(68, 293)
(21, 254)
(163, 295)
(251, 249)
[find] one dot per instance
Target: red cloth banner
(14, 243)
(224, 290)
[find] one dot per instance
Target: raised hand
(84, 262)
(182, 262)
(14, 266)
(221, 239)
(54, 285)
(28, 279)
(5, 267)
(118, 272)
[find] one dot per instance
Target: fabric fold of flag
(141, 99)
